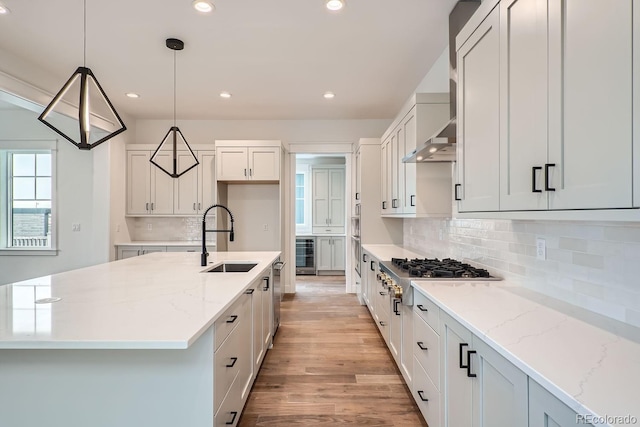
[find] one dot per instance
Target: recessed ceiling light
(335, 5)
(4, 10)
(225, 95)
(132, 95)
(329, 95)
(419, 158)
(203, 6)
(433, 149)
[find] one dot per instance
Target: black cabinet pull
(233, 420)
(412, 200)
(533, 179)
(384, 205)
(421, 308)
(546, 176)
(395, 307)
(469, 353)
(266, 288)
(372, 266)
(455, 192)
(394, 203)
(249, 291)
(233, 319)
(357, 196)
(364, 257)
(382, 293)
(233, 362)
(382, 323)
(421, 345)
(421, 396)
(462, 346)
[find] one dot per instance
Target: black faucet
(205, 254)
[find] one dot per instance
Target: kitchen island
(133, 342)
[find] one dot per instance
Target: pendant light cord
(84, 59)
(174, 87)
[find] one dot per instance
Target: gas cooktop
(435, 268)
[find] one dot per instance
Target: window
(300, 178)
(26, 199)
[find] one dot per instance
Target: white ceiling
(276, 57)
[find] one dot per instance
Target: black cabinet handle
(357, 196)
(266, 288)
(233, 319)
(233, 420)
(384, 205)
(249, 291)
(455, 192)
(395, 307)
(233, 362)
(364, 257)
(245, 172)
(462, 346)
(372, 266)
(394, 203)
(469, 353)
(421, 396)
(382, 293)
(421, 345)
(546, 176)
(421, 307)
(533, 179)
(382, 323)
(412, 200)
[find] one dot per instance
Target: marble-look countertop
(156, 301)
(165, 243)
(386, 252)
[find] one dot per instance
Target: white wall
(437, 79)
(254, 206)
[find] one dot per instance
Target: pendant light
(174, 137)
(83, 84)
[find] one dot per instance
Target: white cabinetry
(478, 127)
(546, 89)
(415, 189)
(125, 252)
(237, 162)
(328, 200)
(547, 411)
(330, 253)
(150, 191)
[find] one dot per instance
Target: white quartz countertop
(386, 252)
(155, 301)
(165, 243)
(590, 363)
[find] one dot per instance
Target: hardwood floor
(329, 366)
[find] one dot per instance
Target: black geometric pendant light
(84, 87)
(174, 140)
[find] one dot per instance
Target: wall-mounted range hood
(441, 147)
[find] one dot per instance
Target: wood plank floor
(329, 366)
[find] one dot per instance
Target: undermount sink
(232, 267)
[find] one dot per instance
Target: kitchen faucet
(205, 254)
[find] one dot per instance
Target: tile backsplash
(168, 228)
(591, 265)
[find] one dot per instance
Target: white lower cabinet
(426, 396)
(406, 353)
(395, 328)
(330, 252)
(545, 410)
(125, 252)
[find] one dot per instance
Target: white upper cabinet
(149, 189)
(415, 189)
(328, 200)
(478, 126)
(238, 162)
(185, 190)
(206, 180)
(636, 108)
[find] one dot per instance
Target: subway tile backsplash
(167, 228)
(591, 265)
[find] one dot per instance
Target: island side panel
(107, 388)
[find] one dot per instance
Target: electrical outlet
(149, 227)
(265, 227)
(541, 249)
(75, 227)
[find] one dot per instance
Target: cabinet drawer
(426, 309)
(231, 407)
(227, 362)
(426, 395)
(328, 230)
(427, 348)
(230, 319)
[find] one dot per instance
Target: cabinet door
(323, 253)
(500, 391)
(162, 186)
(408, 178)
(358, 175)
(152, 249)
(478, 140)
(636, 107)
(264, 163)
(336, 199)
(372, 283)
(232, 164)
(383, 309)
(406, 354)
(394, 174)
(185, 190)
(338, 253)
(384, 179)
(267, 309)
(256, 316)
(395, 329)
(590, 104)
(125, 252)
(206, 180)
(138, 183)
(545, 410)
(523, 104)
(320, 198)
(457, 392)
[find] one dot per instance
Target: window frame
(26, 146)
